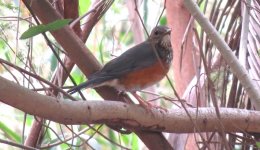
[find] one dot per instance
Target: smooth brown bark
(178, 18)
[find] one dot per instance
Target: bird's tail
(79, 87)
(91, 83)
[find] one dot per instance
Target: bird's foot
(146, 105)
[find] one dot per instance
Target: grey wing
(137, 57)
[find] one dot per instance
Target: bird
(137, 68)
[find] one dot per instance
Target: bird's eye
(156, 32)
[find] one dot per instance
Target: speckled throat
(164, 50)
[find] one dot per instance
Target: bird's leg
(146, 104)
(142, 102)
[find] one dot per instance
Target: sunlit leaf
(83, 6)
(126, 139)
(112, 137)
(135, 144)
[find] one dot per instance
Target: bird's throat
(166, 41)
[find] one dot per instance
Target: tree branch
(237, 69)
(127, 115)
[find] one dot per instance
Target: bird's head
(161, 35)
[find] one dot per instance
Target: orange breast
(140, 79)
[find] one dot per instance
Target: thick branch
(131, 116)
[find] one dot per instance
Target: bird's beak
(168, 31)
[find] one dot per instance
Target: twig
(37, 77)
(17, 145)
(136, 9)
(227, 54)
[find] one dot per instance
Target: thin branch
(17, 145)
(36, 77)
(238, 70)
(244, 33)
(136, 9)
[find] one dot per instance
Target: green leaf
(112, 136)
(33, 31)
(126, 139)
(11, 134)
(44, 28)
(258, 144)
(135, 144)
(55, 25)
(163, 20)
(78, 76)
(83, 6)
